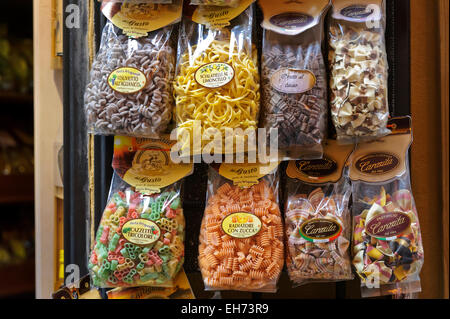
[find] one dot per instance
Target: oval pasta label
(317, 168)
(293, 81)
(320, 230)
(388, 226)
(377, 163)
(214, 75)
(127, 80)
(241, 225)
(291, 20)
(141, 232)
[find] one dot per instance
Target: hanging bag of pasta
(140, 239)
(130, 88)
(241, 236)
(217, 79)
(317, 219)
(387, 243)
(294, 80)
(359, 70)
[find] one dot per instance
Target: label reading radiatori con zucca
(241, 225)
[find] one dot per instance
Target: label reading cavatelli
(241, 225)
(141, 231)
(320, 230)
(293, 81)
(388, 226)
(127, 80)
(214, 75)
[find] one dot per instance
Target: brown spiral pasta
(145, 113)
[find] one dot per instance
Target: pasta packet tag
(219, 3)
(317, 220)
(241, 237)
(140, 239)
(216, 17)
(387, 243)
(181, 290)
(138, 18)
(293, 77)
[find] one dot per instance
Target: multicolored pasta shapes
(140, 240)
(318, 230)
(241, 237)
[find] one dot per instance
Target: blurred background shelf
(11, 97)
(16, 189)
(17, 279)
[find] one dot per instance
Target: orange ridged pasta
(247, 264)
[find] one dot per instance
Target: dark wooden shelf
(16, 189)
(17, 279)
(16, 97)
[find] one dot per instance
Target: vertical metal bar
(76, 180)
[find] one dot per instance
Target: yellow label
(246, 175)
(127, 80)
(292, 17)
(138, 19)
(293, 81)
(214, 75)
(141, 232)
(241, 225)
(152, 167)
(219, 17)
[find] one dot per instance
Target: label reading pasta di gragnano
(141, 231)
(293, 81)
(241, 225)
(214, 75)
(127, 80)
(320, 230)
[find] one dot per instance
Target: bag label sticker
(241, 225)
(127, 80)
(377, 163)
(388, 226)
(293, 81)
(141, 232)
(320, 230)
(214, 75)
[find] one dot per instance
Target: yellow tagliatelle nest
(235, 105)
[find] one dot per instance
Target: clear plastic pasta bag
(294, 78)
(130, 88)
(317, 219)
(241, 237)
(140, 239)
(387, 243)
(359, 70)
(224, 3)
(217, 79)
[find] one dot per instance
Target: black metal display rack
(76, 163)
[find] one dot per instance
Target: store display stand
(87, 159)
